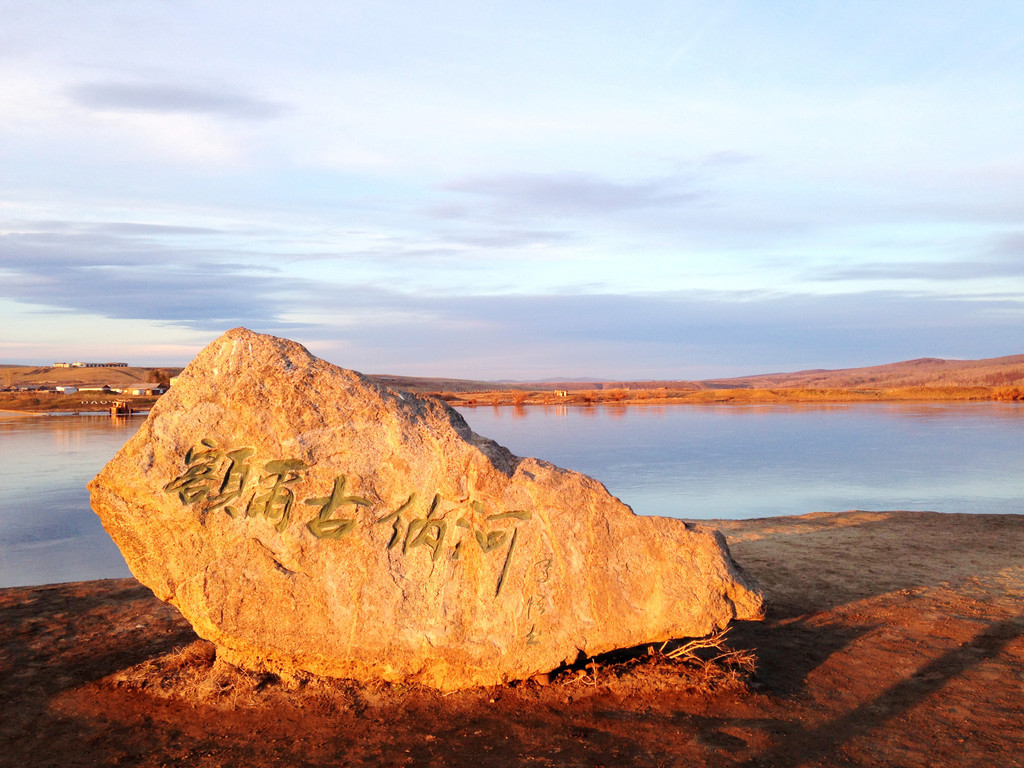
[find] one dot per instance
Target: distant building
(104, 388)
(80, 364)
(154, 390)
(66, 390)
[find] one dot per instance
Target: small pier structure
(121, 408)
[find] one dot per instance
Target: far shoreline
(739, 396)
(31, 404)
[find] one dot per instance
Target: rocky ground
(892, 639)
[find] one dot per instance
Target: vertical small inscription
(540, 601)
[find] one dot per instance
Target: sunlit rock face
(303, 518)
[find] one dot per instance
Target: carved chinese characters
(228, 480)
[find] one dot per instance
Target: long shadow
(864, 555)
(47, 646)
(873, 555)
(64, 611)
(804, 746)
(788, 653)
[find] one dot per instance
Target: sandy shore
(892, 639)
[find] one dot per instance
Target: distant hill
(48, 376)
(422, 384)
(923, 372)
(417, 384)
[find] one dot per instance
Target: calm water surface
(765, 460)
(48, 532)
(681, 461)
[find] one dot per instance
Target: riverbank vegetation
(590, 397)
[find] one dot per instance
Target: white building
(151, 390)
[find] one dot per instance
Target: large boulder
(302, 517)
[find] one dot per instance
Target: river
(682, 461)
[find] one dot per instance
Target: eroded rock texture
(303, 518)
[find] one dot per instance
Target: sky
(673, 190)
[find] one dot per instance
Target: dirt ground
(892, 639)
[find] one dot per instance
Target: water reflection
(731, 461)
(48, 532)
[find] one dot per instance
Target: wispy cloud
(575, 194)
(507, 238)
(940, 271)
(680, 210)
(42, 228)
(155, 97)
(727, 157)
(1010, 246)
(120, 277)
(679, 334)
(130, 228)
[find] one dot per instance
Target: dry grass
(698, 665)
(664, 396)
(713, 661)
(194, 674)
(842, 395)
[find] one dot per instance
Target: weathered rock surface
(303, 518)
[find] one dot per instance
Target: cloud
(501, 238)
(574, 194)
(40, 228)
(682, 334)
(367, 321)
(942, 271)
(151, 97)
(727, 157)
(692, 208)
(129, 228)
(119, 277)
(1010, 246)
